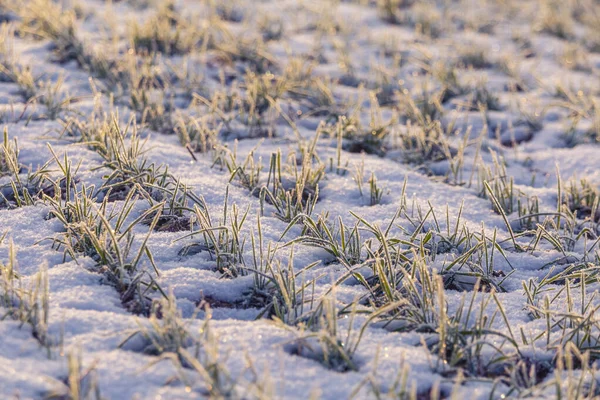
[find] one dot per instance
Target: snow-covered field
(299, 199)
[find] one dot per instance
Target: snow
(87, 316)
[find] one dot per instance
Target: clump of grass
(271, 27)
(375, 190)
(414, 309)
(482, 22)
(247, 174)
(279, 289)
(122, 151)
(177, 201)
(165, 32)
(555, 19)
(208, 362)
(92, 231)
(460, 340)
(299, 72)
(34, 89)
(510, 66)
(11, 70)
(49, 20)
(80, 383)
(564, 233)
(262, 94)
(593, 133)
(422, 17)
(325, 21)
(196, 134)
(453, 239)
(346, 65)
(426, 20)
(358, 176)
(524, 44)
(341, 241)
(482, 98)
(390, 47)
(9, 156)
(583, 199)
(421, 146)
(28, 305)
(447, 75)
(476, 262)
(167, 336)
(285, 294)
(568, 375)
(23, 76)
(317, 98)
(529, 213)
(296, 192)
(574, 58)
(45, 19)
(222, 108)
(495, 182)
(251, 51)
(90, 131)
(456, 161)
(164, 332)
(533, 119)
(157, 115)
(460, 343)
(422, 108)
(7, 54)
(325, 343)
(20, 191)
(358, 138)
(582, 108)
(386, 259)
(592, 34)
(232, 11)
(255, 105)
(473, 57)
(150, 93)
(575, 330)
(223, 242)
(341, 168)
(54, 98)
(146, 77)
(384, 82)
(402, 387)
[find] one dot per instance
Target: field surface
(232, 199)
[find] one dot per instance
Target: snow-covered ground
(458, 142)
